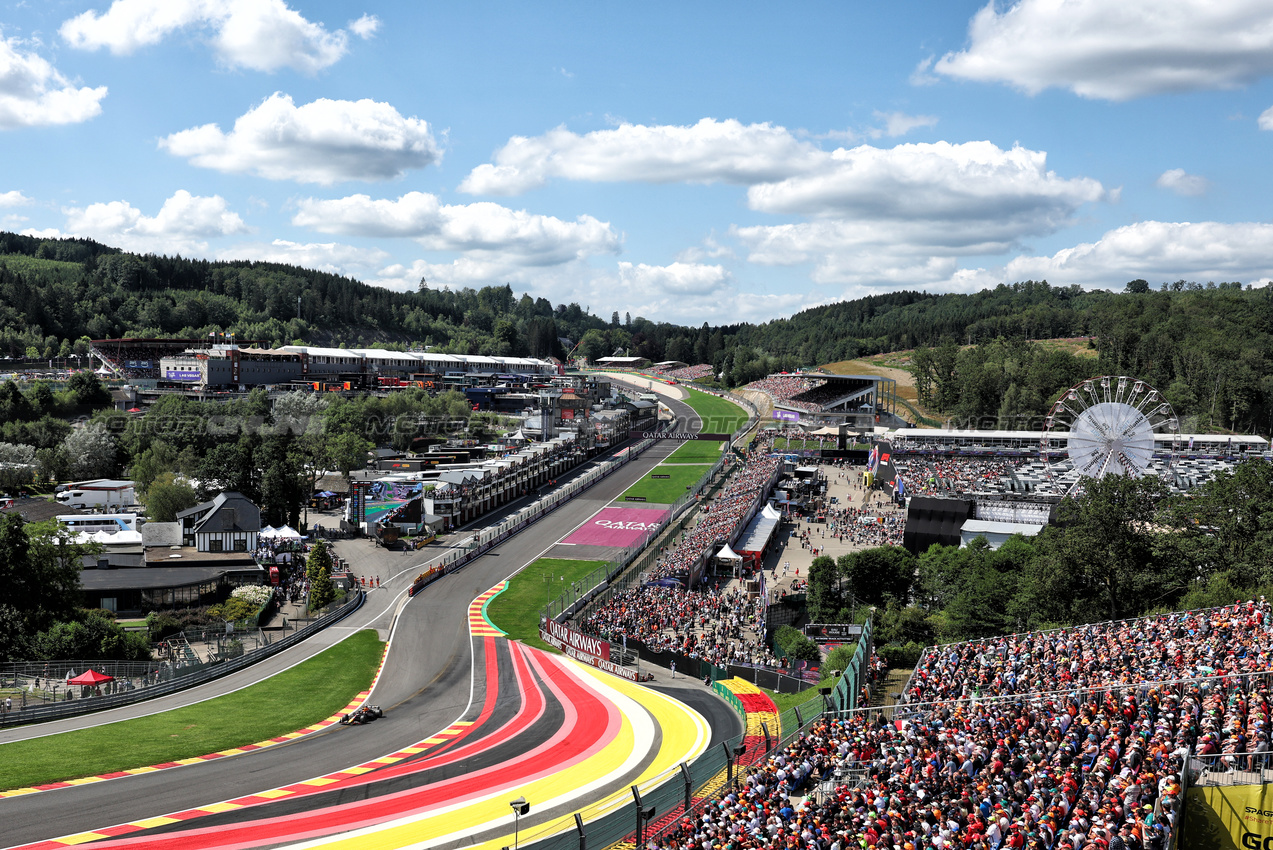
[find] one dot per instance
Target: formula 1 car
(362, 714)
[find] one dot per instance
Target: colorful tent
(91, 678)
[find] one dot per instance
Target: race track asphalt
(428, 683)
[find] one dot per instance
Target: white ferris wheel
(1109, 426)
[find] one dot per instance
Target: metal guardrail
(199, 676)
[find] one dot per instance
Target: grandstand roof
(385, 354)
(318, 351)
(981, 526)
(622, 361)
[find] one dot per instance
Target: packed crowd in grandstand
(719, 627)
(688, 373)
(668, 616)
(1066, 740)
(131, 361)
(801, 393)
(722, 517)
(930, 476)
(783, 388)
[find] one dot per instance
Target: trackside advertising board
(1228, 817)
(582, 647)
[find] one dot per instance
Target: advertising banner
(787, 415)
(672, 435)
(183, 375)
(1228, 817)
(582, 647)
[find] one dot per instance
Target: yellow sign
(1234, 817)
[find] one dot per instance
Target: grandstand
(126, 359)
(221, 361)
(820, 398)
(1026, 443)
(1083, 738)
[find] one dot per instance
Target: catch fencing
(147, 680)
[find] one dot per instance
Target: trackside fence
(152, 679)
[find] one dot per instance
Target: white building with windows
(228, 523)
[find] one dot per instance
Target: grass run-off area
(305, 694)
(665, 491)
(786, 702)
(719, 416)
(516, 610)
(696, 451)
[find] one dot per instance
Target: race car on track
(362, 714)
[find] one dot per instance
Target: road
(431, 679)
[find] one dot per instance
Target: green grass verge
(311, 691)
(697, 451)
(719, 416)
(665, 491)
(786, 702)
(516, 610)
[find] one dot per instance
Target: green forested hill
(1208, 346)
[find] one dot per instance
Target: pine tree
(319, 561)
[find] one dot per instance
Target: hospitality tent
(90, 678)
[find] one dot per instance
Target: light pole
(520, 807)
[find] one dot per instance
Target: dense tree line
(1122, 548)
(55, 293)
(1209, 350)
(1208, 347)
(40, 617)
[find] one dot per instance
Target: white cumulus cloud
(1158, 251)
(675, 279)
(331, 257)
(33, 93)
(480, 228)
(325, 142)
(365, 27)
(710, 151)
(1116, 50)
(1265, 120)
(182, 226)
(263, 35)
(903, 215)
(13, 198)
(938, 181)
(899, 123)
(1182, 183)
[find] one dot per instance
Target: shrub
(901, 655)
(840, 657)
(257, 594)
(803, 649)
(234, 609)
(784, 636)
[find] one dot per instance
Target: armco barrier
(70, 708)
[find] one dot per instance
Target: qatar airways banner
(619, 527)
(582, 647)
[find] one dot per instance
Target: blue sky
(715, 162)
